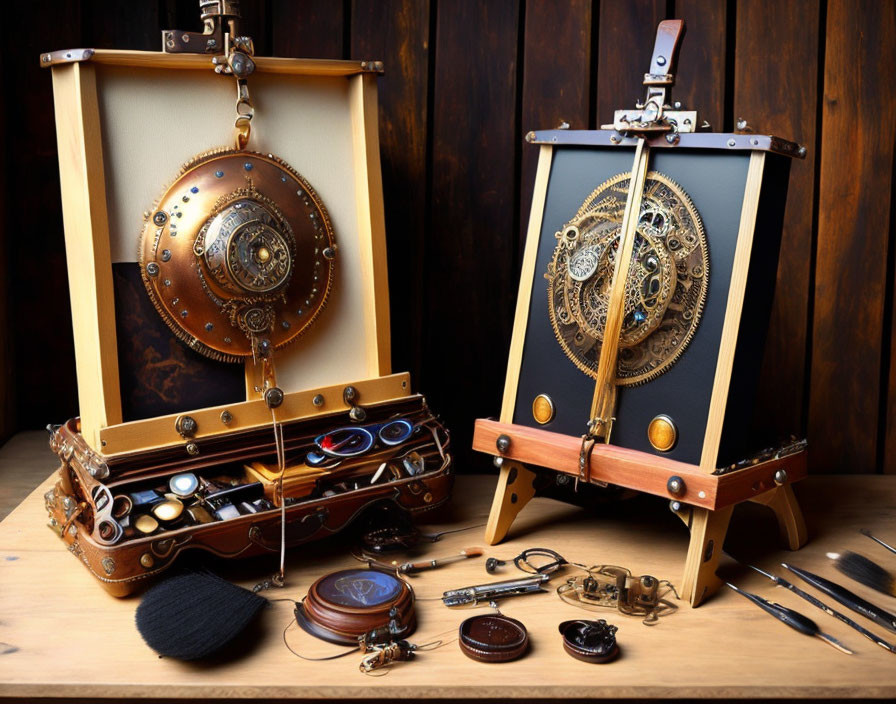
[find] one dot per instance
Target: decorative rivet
(160, 218)
(147, 560)
(614, 139)
(329, 253)
(166, 255)
(731, 143)
(660, 60)
(108, 565)
(152, 269)
(219, 174)
(209, 327)
(675, 485)
(543, 409)
(186, 426)
(247, 166)
(427, 498)
(498, 462)
(673, 138)
(781, 477)
(503, 443)
(192, 449)
(801, 151)
(357, 414)
(349, 394)
(273, 397)
(318, 400)
(674, 506)
(226, 417)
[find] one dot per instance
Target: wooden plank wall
(465, 80)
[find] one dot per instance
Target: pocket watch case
(230, 304)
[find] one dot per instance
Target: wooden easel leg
(708, 529)
(791, 525)
(516, 487)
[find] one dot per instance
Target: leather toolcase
(76, 504)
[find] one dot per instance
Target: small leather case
(590, 641)
(493, 638)
(342, 606)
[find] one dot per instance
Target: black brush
(864, 571)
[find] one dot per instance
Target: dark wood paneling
(470, 266)
(856, 168)
(556, 79)
(464, 81)
(778, 94)
(626, 31)
(311, 29)
(40, 316)
(397, 33)
(701, 59)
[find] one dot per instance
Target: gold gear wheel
(666, 286)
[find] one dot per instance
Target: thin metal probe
(824, 607)
(866, 532)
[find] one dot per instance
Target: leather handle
(665, 49)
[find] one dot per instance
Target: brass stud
(662, 433)
(147, 560)
(427, 498)
(318, 400)
(226, 417)
(543, 409)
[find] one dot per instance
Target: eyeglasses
(355, 440)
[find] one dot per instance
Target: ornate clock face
(237, 249)
(665, 289)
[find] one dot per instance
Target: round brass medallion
(543, 409)
(662, 433)
(666, 286)
(239, 248)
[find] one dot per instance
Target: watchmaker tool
(421, 566)
(792, 618)
(494, 590)
(867, 533)
(781, 582)
(846, 597)
(864, 571)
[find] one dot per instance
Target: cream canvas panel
(155, 120)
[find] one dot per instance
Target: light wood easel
(703, 498)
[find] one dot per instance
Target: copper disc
(239, 247)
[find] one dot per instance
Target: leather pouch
(338, 498)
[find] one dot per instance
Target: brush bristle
(864, 571)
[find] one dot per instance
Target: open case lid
(126, 121)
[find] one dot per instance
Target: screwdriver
(794, 619)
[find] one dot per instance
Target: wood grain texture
(626, 32)
(855, 186)
(311, 29)
(556, 79)
(397, 33)
(700, 74)
(470, 260)
(780, 97)
(728, 649)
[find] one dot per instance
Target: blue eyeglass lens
(396, 431)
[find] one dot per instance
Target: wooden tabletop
(63, 636)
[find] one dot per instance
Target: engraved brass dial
(665, 289)
(238, 248)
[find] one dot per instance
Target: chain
(238, 62)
